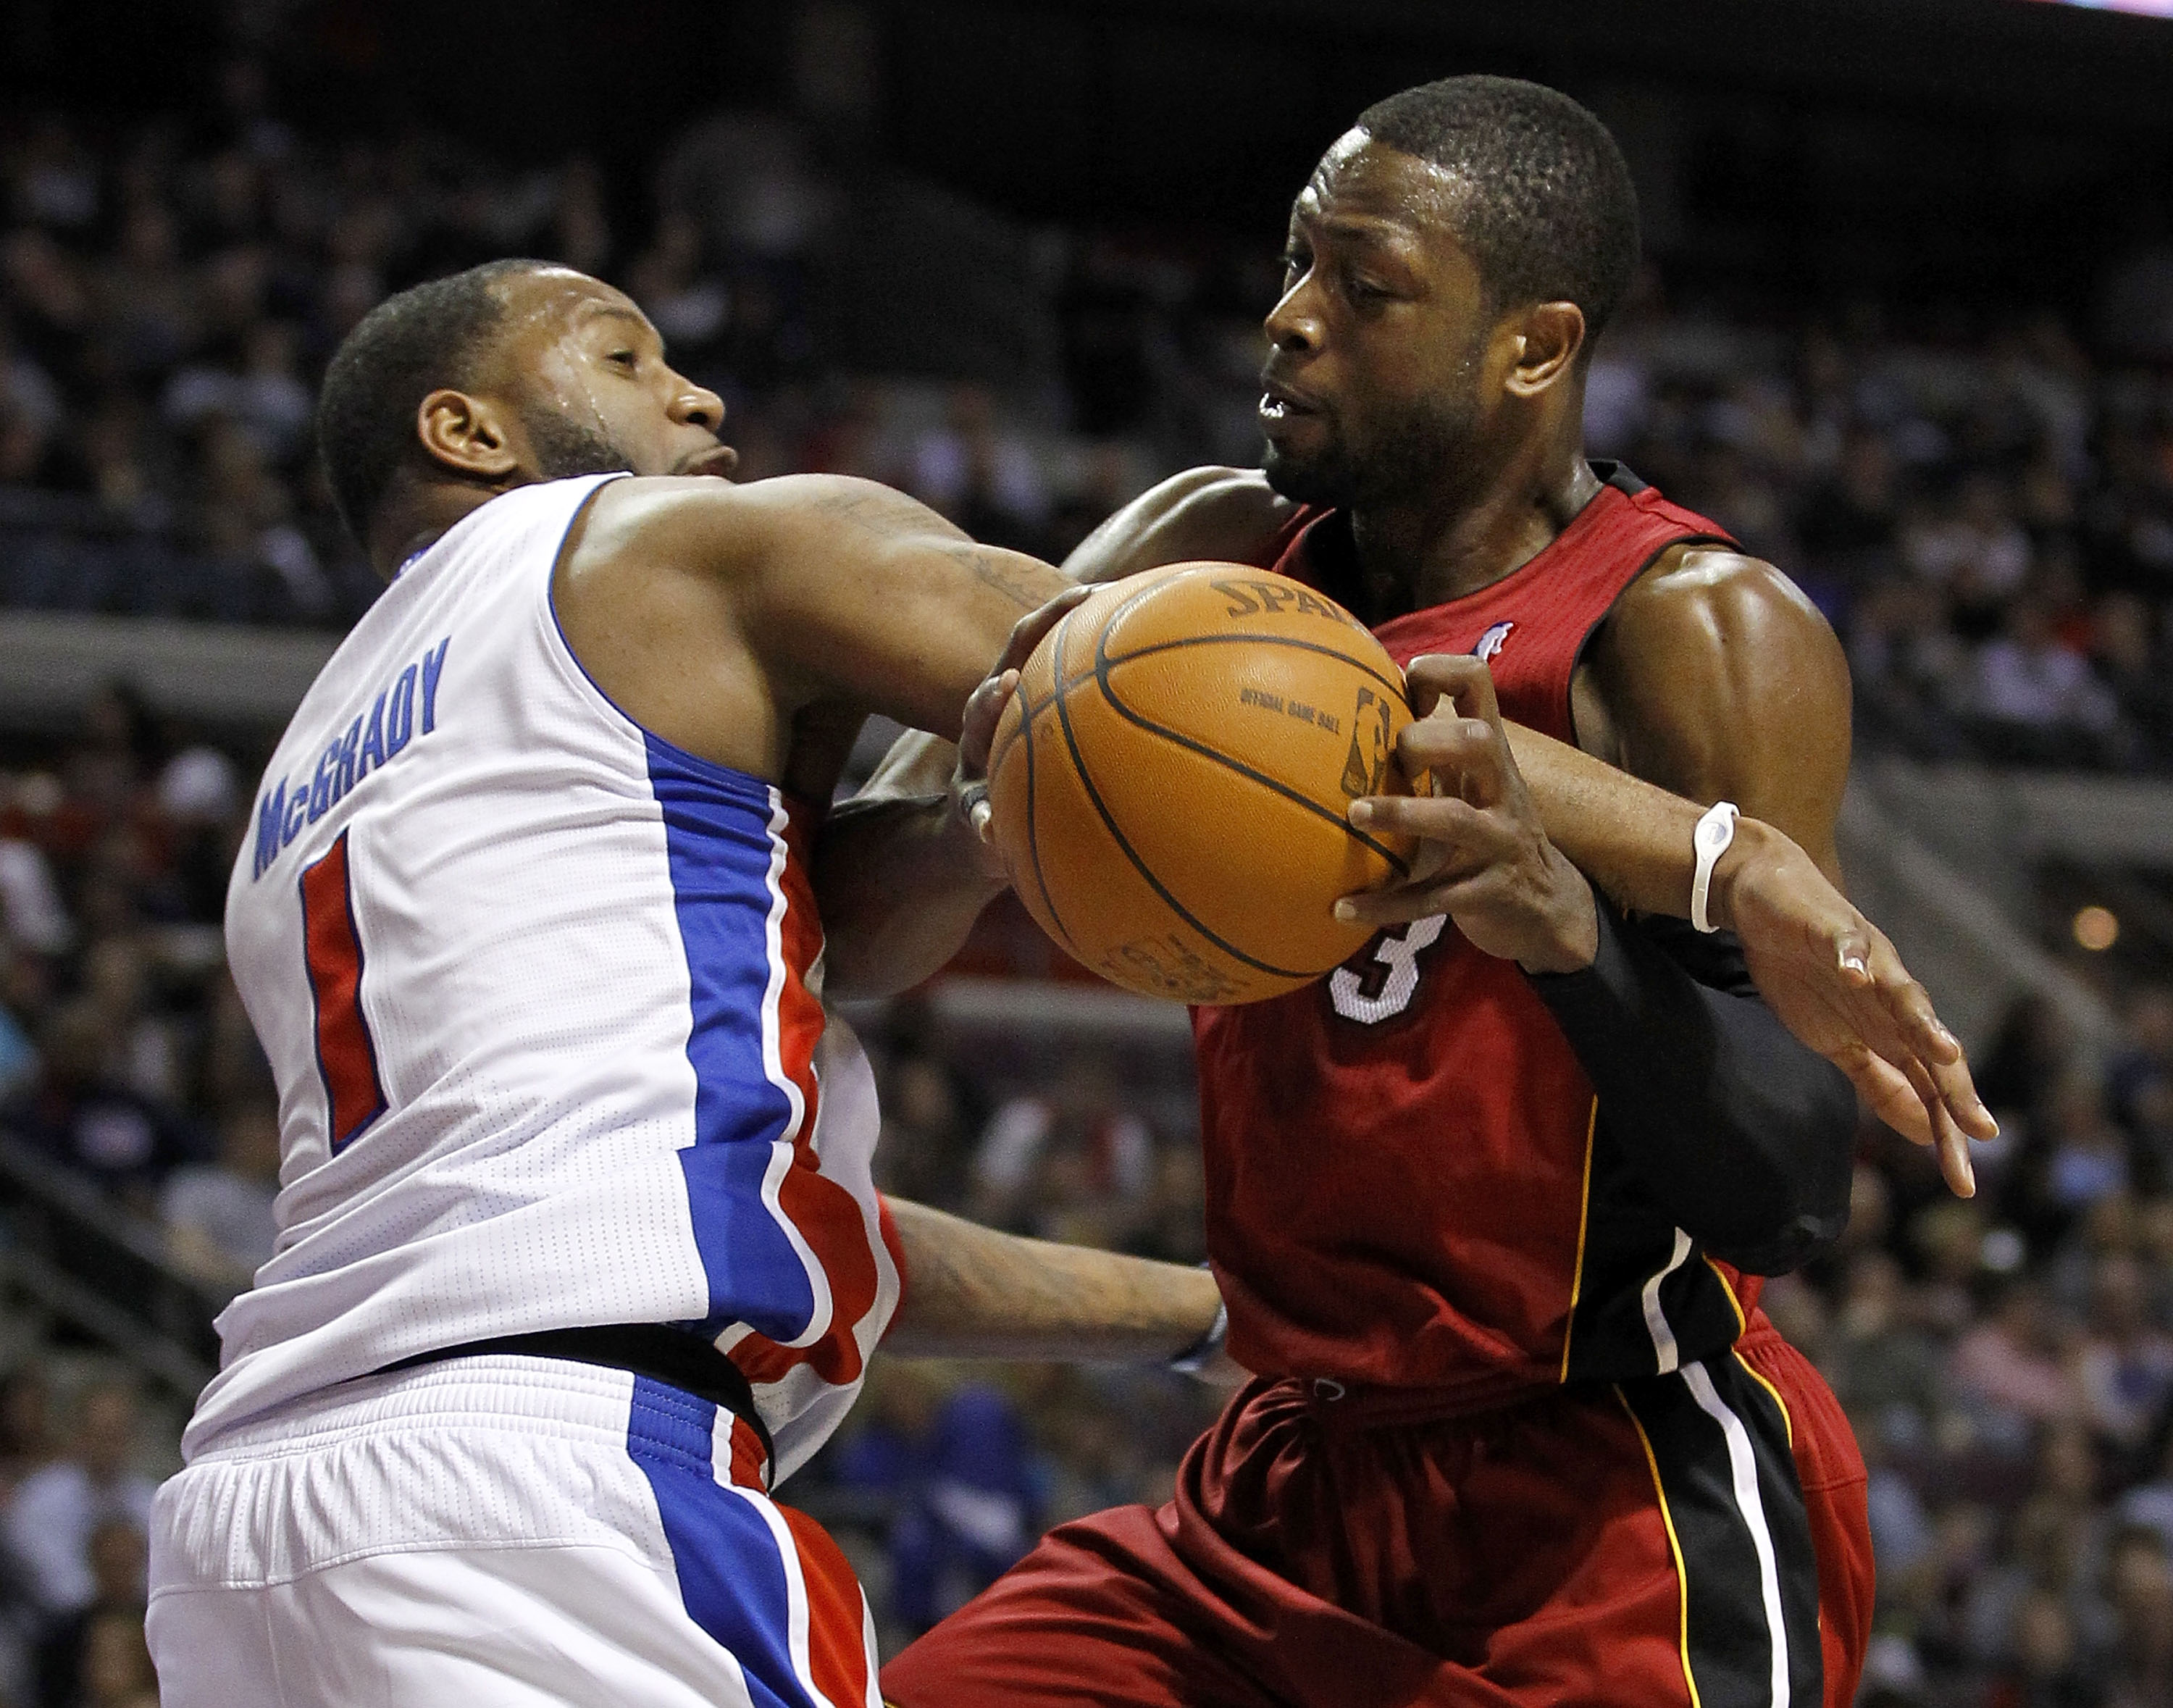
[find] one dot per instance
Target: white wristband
(1201, 1353)
(1714, 832)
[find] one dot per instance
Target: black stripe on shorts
(1717, 1440)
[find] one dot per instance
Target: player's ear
(466, 434)
(1547, 337)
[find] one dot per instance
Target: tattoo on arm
(999, 571)
(880, 513)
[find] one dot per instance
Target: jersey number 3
(1382, 986)
(346, 1055)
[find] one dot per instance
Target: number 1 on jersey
(346, 1055)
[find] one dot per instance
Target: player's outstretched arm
(973, 1292)
(1721, 682)
(899, 876)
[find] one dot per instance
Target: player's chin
(1314, 474)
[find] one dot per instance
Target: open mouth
(1278, 403)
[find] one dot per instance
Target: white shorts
(498, 1531)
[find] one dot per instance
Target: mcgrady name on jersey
(374, 740)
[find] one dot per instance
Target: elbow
(1801, 1241)
(1803, 1204)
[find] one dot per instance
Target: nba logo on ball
(1492, 641)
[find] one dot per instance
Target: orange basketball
(1169, 783)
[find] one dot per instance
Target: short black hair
(1549, 212)
(430, 335)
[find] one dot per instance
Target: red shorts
(1695, 1538)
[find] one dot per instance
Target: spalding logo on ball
(1169, 783)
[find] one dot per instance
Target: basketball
(1168, 786)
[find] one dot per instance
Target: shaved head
(438, 333)
(1543, 197)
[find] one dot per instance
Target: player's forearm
(1631, 838)
(973, 1292)
(897, 887)
(899, 876)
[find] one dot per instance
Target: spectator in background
(2145, 1057)
(2018, 1366)
(1069, 1163)
(26, 1427)
(117, 974)
(1974, 550)
(77, 1112)
(2085, 1155)
(2036, 699)
(116, 1671)
(218, 1217)
(2045, 1666)
(18, 1056)
(1882, 1367)
(49, 1525)
(979, 476)
(74, 1658)
(2143, 1602)
(2126, 1364)
(199, 797)
(972, 1514)
(31, 912)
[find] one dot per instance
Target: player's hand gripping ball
(1168, 784)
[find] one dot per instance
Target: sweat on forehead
(558, 292)
(1359, 177)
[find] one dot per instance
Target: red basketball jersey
(1409, 1179)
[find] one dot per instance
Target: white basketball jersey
(542, 993)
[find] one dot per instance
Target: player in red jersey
(1488, 1204)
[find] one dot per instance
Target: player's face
(1373, 392)
(591, 388)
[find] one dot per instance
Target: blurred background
(1907, 328)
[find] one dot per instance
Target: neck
(412, 521)
(1453, 542)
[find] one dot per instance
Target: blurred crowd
(1985, 514)
(1983, 508)
(1982, 504)
(2007, 1364)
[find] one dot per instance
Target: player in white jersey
(578, 1250)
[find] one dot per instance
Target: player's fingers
(1030, 630)
(1885, 1089)
(1466, 757)
(1396, 905)
(1456, 677)
(1925, 1037)
(1947, 1140)
(1958, 1096)
(1951, 1145)
(1443, 890)
(985, 708)
(1905, 999)
(1472, 834)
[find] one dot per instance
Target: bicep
(1723, 683)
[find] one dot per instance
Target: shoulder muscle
(1722, 680)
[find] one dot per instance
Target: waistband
(1364, 1404)
(673, 1356)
